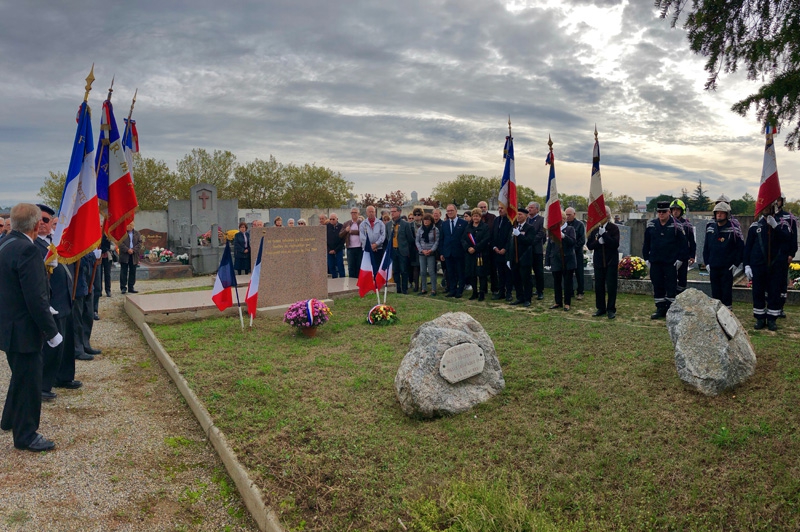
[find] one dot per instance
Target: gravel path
(129, 453)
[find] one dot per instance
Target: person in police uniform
(665, 250)
(722, 253)
(791, 220)
(678, 210)
(766, 254)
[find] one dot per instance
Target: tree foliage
(52, 189)
(469, 188)
(153, 182)
(259, 183)
(525, 195)
(761, 35)
(623, 203)
(199, 166)
(651, 205)
(745, 205)
(315, 186)
(699, 200)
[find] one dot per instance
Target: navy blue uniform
(722, 251)
(663, 246)
(766, 252)
(688, 229)
(791, 221)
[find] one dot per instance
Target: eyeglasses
(663, 210)
(46, 220)
(301, 223)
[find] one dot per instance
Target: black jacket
(240, 244)
(334, 238)
(539, 233)
(501, 230)
(606, 255)
(766, 246)
(519, 249)
(723, 247)
(473, 266)
(25, 319)
(60, 284)
(665, 243)
(565, 261)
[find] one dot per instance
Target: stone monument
(450, 367)
(712, 350)
(294, 264)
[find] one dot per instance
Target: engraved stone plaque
(728, 321)
(461, 362)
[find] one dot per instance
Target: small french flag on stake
(251, 299)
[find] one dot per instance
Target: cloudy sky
(394, 95)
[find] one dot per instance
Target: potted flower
(166, 256)
(184, 258)
(307, 315)
(382, 315)
(632, 268)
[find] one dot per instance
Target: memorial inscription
(461, 362)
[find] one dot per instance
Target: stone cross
(204, 197)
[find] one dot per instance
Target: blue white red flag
(310, 312)
(597, 202)
(251, 299)
(366, 278)
(384, 270)
(114, 181)
(770, 189)
(508, 186)
(130, 143)
(553, 218)
(472, 240)
(78, 231)
(222, 295)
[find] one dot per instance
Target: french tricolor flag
(508, 186)
(222, 295)
(251, 299)
(78, 231)
(384, 270)
(553, 219)
(366, 279)
(770, 189)
(597, 201)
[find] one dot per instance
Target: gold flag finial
(509, 125)
(550, 142)
(111, 88)
(595, 132)
(89, 81)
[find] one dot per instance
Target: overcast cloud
(395, 95)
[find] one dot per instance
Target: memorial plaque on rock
(461, 362)
(294, 264)
(153, 239)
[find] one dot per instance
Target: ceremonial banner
(508, 186)
(770, 189)
(553, 218)
(385, 269)
(114, 181)
(130, 142)
(597, 203)
(78, 231)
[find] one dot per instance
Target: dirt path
(129, 454)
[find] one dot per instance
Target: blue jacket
(724, 245)
(451, 239)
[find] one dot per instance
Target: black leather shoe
(84, 356)
(132, 291)
(782, 315)
(612, 315)
(481, 297)
(526, 304)
(496, 296)
(92, 351)
(772, 325)
(48, 396)
(509, 299)
(96, 316)
(657, 314)
(474, 296)
(555, 307)
(517, 302)
(108, 294)
(457, 296)
(599, 313)
(69, 385)
(760, 324)
(449, 294)
(39, 444)
(124, 290)
(539, 296)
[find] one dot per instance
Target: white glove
(53, 311)
(748, 271)
(601, 240)
(601, 231)
(53, 262)
(563, 234)
(707, 267)
(56, 340)
(98, 254)
(771, 221)
(516, 231)
(508, 263)
(647, 263)
(678, 264)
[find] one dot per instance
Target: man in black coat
(536, 221)
(25, 323)
(452, 252)
(489, 218)
(335, 246)
(665, 249)
(519, 256)
(501, 231)
(603, 240)
(400, 237)
(580, 241)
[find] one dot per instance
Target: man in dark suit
(603, 240)
(501, 231)
(536, 221)
(131, 246)
(488, 218)
(105, 267)
(519, 258)
(400, 237)
(25, 322)
(452, 253)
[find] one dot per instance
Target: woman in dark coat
(562, 262)
(476, 244)
(241, 250)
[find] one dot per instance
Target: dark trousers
(766, 292)
(400, 271)
(605, 281)
(682, 276)
(51, 356)
(563, 279)
(504, 279)
(354, 262)
(336, 264)
(87, 316)
(377, 257)
(538, 272)
(97, 288)
(66, 370)
(494, 280)
(127, 275)
(105, 270)
(77, 325)
(455, 275)
(579, 281)
(722, 285)
(782, 271)
(242, 265)
(523, 284)
(664, 277)
(23, 405)
(483, 280)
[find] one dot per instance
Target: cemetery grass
(594, 430)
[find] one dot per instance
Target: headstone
(712, 350)
(625, 241)
(439, 374)
(203, 198)
(250, 217)
(293, 265)
(153, 239)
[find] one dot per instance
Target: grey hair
(608, 211)
(534, 203)
(25, 217)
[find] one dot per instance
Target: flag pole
(104, 140)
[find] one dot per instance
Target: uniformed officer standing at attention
(722, 252)
(766, 253)
(678, 210)
(783, 216)
(665, 250)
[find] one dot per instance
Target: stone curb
(266, 519)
